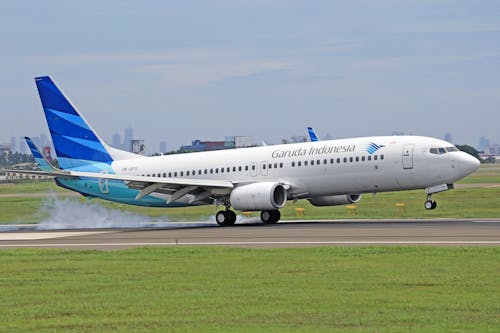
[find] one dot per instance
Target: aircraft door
(264, 168)
(408, 156)
(103, 185)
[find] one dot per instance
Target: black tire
(225, 217)
(232, 217)
(428, 204)
(270, 216)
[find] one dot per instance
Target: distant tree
(470, 150)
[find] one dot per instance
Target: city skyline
(482, 143)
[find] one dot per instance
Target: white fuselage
(348, 166)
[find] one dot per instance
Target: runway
(443, 232)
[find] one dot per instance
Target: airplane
(312, 134)
(326, 173)
(42, 163)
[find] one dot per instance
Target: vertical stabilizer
(42, 162)
(76, 144)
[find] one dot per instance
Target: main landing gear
(228, 217)
(430, 204)
(270, 216)
(225, 217)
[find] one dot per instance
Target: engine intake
(335, 200)
(258, 196)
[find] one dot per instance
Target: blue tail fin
(43, 164)
(312, 135)
(77, 146)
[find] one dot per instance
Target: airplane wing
(176, 187)
(200, 189)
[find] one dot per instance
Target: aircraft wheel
(270, 216)
(225, 217)
(430, 204)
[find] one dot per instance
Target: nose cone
(467, 164)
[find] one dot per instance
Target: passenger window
(293, 164)
(221, 170)
(199, 172)
(228, 169)
(382, 156)
(338, 160)
(246, 167)
(281, 165)
(375, 157)
(318, 162)
(239, 168)
(332, 161)
(175, 174)
(357, 158)
(253, 167)
(305, 163)
(187, 173)
(263, 166)
(234, 169)
(345, 159)
(362, 158)
(351, 159)
(182, 173)
(275, 165)
(299, 163)
(369, 157)
(312, 162)
(216, 170)
(205, 171)
(211, 171)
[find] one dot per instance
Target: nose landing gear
(430, 204)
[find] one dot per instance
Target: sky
(184, 70)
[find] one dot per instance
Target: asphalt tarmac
(442, 232)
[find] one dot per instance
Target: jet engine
(335, 200)
(258, 196)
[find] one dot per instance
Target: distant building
(244, 141)
(198, 145)
(484, 143)
(128, 137)
(299, 138)
(137, 147)
(117, 141)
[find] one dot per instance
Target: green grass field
(458, 203)
(368, 289)
(208, 289)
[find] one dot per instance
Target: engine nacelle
(335, 200)
(258, 196)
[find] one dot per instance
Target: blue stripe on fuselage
(117, 191)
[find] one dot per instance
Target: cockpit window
(441, 151)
